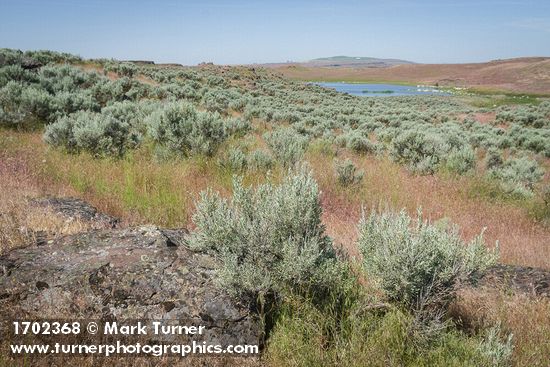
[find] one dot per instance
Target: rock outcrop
(72, 209)
(518, 279)
(118, 274)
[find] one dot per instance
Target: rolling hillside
(523, 75)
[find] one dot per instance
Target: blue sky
(248, 31)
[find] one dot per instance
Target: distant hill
(354, 61)
(525, 75)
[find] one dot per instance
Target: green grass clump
(351, 330)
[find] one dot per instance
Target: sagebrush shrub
(259, 160)
(24, 106)
(360, 144)
(496, 350)
(270, 240)
(122, 68)
(347, 174)
(493, 158)
(287, 145)
(415, 262)
(237, 127)
(461, 160)
(182, 128)
(236, 160)
(421, 151)
(98, 134)
(518, 176)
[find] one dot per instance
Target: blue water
(376, 90)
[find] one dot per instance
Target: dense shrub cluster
(99, 134)
(121, 68)
(31, 58)
(35, 97)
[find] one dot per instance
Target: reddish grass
(521, 240)
(386, 184)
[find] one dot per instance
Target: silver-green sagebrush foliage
(269, 240)
(287, 145)
(98, 134)
(347, 174)
(518, 176)
(417, 262)
(496, 350)
(182, 128)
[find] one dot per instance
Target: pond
(383, 90)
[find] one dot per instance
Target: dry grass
(527, 318)
(140, 190)
(14, 184)
(137, 189)
(522, 241)
(20, 222)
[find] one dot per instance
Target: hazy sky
(247, 31)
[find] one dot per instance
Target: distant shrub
(493, 159)
(360, 144)
(347, 174)
(216, 101)
(417, 263)
(236, 160)
(237, 127)
(215, 80)
(98, 134)
(461, 161)
(238, 104)
(42, 57)
(181, 128)
(518, 176)
(259, 160)
(122, 68)
(270, 240)
(421, 151)
(287, 145)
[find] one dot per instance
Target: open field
(522, 75)
(324, 177)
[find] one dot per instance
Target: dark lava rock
(520, 279)
(123, 274)
(30, 63)
(76, 209)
